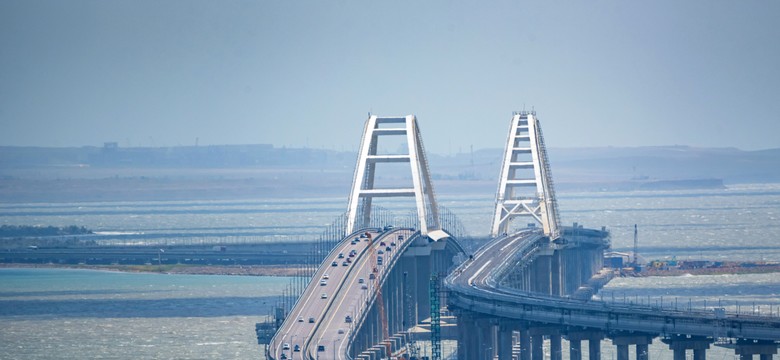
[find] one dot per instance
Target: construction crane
(636, 247)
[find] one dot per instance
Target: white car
(323, 296)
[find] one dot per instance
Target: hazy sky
(292, 73)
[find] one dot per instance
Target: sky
(307, 73)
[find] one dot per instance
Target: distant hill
(242, 171)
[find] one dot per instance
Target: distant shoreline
(285, 271)
(711, 271)
(237, 270)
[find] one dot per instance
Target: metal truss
(525, 187)
(363, 190)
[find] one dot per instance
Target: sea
(86, 314)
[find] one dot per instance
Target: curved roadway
(474, 287)
(317, 324)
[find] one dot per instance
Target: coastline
(709, 271)
(237, 270)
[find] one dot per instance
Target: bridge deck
(327, 336)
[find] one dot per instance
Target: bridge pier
(485, 333)
(679, 345)
(575, 343)
(505, 332)
(747, 348)
(622, 342)
(555, 273)
(542, 280)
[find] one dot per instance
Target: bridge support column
(575, 343)
(642, 352)
(525, 344)
(536, 347)
(542, 274)
(623, 341)
(423, 279)
(679, 345)
(537, 340)
(556, 353)
(622, 351)
(485, 332)
(575, 349)
(505, 331)
(468, 341)
(747, 348)
(555, 273)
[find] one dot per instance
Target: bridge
(528, 286)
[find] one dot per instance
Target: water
(77, 314)
(82, 314)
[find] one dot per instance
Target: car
(325, 276)
(341, 331)
(286, 346)
(353, 242)
(392, 243)
(323, 282)
(300, 318)
(283, 357)
(345, 264)
(297, 347)
(361, 280)
(349, 260)
(364, 286)
(388, 227)
(334, 264)
(382, 243)
(400, 238)
(380, 251)
(348, 319)
(320, 347)
(371, 276)
(388, 249)
(353, 252)
(357, 239)
(363, 236)
(341, 255)
(311, 320)
(323, 296)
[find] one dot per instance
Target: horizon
(305, 74)
(332, 147)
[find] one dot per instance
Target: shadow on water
(139, 308)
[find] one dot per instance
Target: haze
(306, 73)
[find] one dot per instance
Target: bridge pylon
(525, 187)
(363, 189)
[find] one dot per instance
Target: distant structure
(525, 186)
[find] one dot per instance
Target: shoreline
(234, 270)
(286, 271)
(709, 271)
